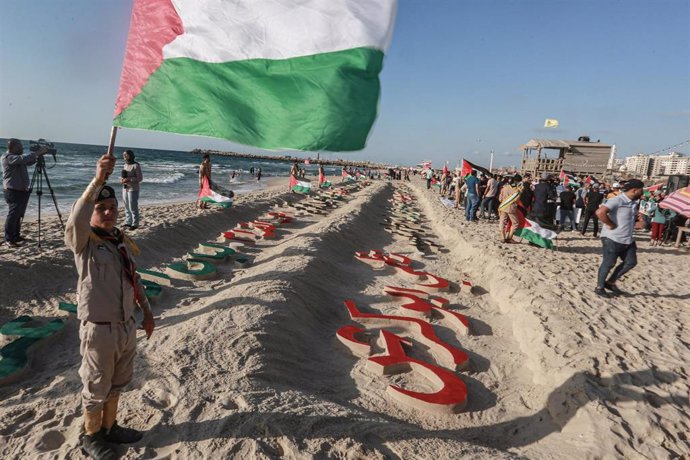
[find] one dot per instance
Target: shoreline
(268, 183)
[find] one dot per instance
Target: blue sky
(461, 78)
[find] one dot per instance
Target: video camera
(35, 146)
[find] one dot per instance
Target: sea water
(169, 176)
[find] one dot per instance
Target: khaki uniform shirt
(104, 292)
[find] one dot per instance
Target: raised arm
(78, 228)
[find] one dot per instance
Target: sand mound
(248, 365)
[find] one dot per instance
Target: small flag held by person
(214, 194)
(550, 123)
(300, 186)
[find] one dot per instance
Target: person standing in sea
(131, 178)
(618, 216)
(204, 172)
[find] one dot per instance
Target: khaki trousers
(107, 364)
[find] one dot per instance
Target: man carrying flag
(508, 209)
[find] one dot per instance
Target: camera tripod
(40, 173)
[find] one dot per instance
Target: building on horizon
(649, 166)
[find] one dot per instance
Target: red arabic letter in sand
(450, 398)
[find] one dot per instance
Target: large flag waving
(300, 75)
(467, 168)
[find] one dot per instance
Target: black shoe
(121, 435)
(133, 227)
(14, 244)
(613, 288)
(97, 448)
(601, 292)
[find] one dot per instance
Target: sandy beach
(247, 365)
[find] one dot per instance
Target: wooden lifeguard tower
(580, 157)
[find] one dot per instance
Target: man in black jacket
(543, 193)
(593, 200)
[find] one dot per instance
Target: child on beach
(204, 172)
(659, 218)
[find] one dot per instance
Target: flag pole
(111, 145)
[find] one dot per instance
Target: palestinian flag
(569, 179)
(534, 233)
(271, 74)
(214, 194)
(300, 186)
(323, 183)
(468, 167)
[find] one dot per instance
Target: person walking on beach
(107, 329)
(543, 196)
(131, 178)
(618, 216)
(15, 185)
(508, 209)
(258, 174)
(204, 172)
(428, 175)
(457, 184)
(580, 203)
(527, 194)
(593, 200)
(489, 198)
(567, 208)
(472, 197)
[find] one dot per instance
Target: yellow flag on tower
(549, 123)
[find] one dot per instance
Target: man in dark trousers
(15, 184)
(543, 193)
(527, 194)
(567, 197)
(593, 200)
(618, 216)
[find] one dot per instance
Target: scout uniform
(108, 292)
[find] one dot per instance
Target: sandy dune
(248, 365)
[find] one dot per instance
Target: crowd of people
(554, 204)
(565, 203)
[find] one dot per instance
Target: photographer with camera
(109, 289)
(131, 177)
(16, 185)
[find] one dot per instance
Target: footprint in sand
(51, 440)
(159, 398)
(227, 402)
